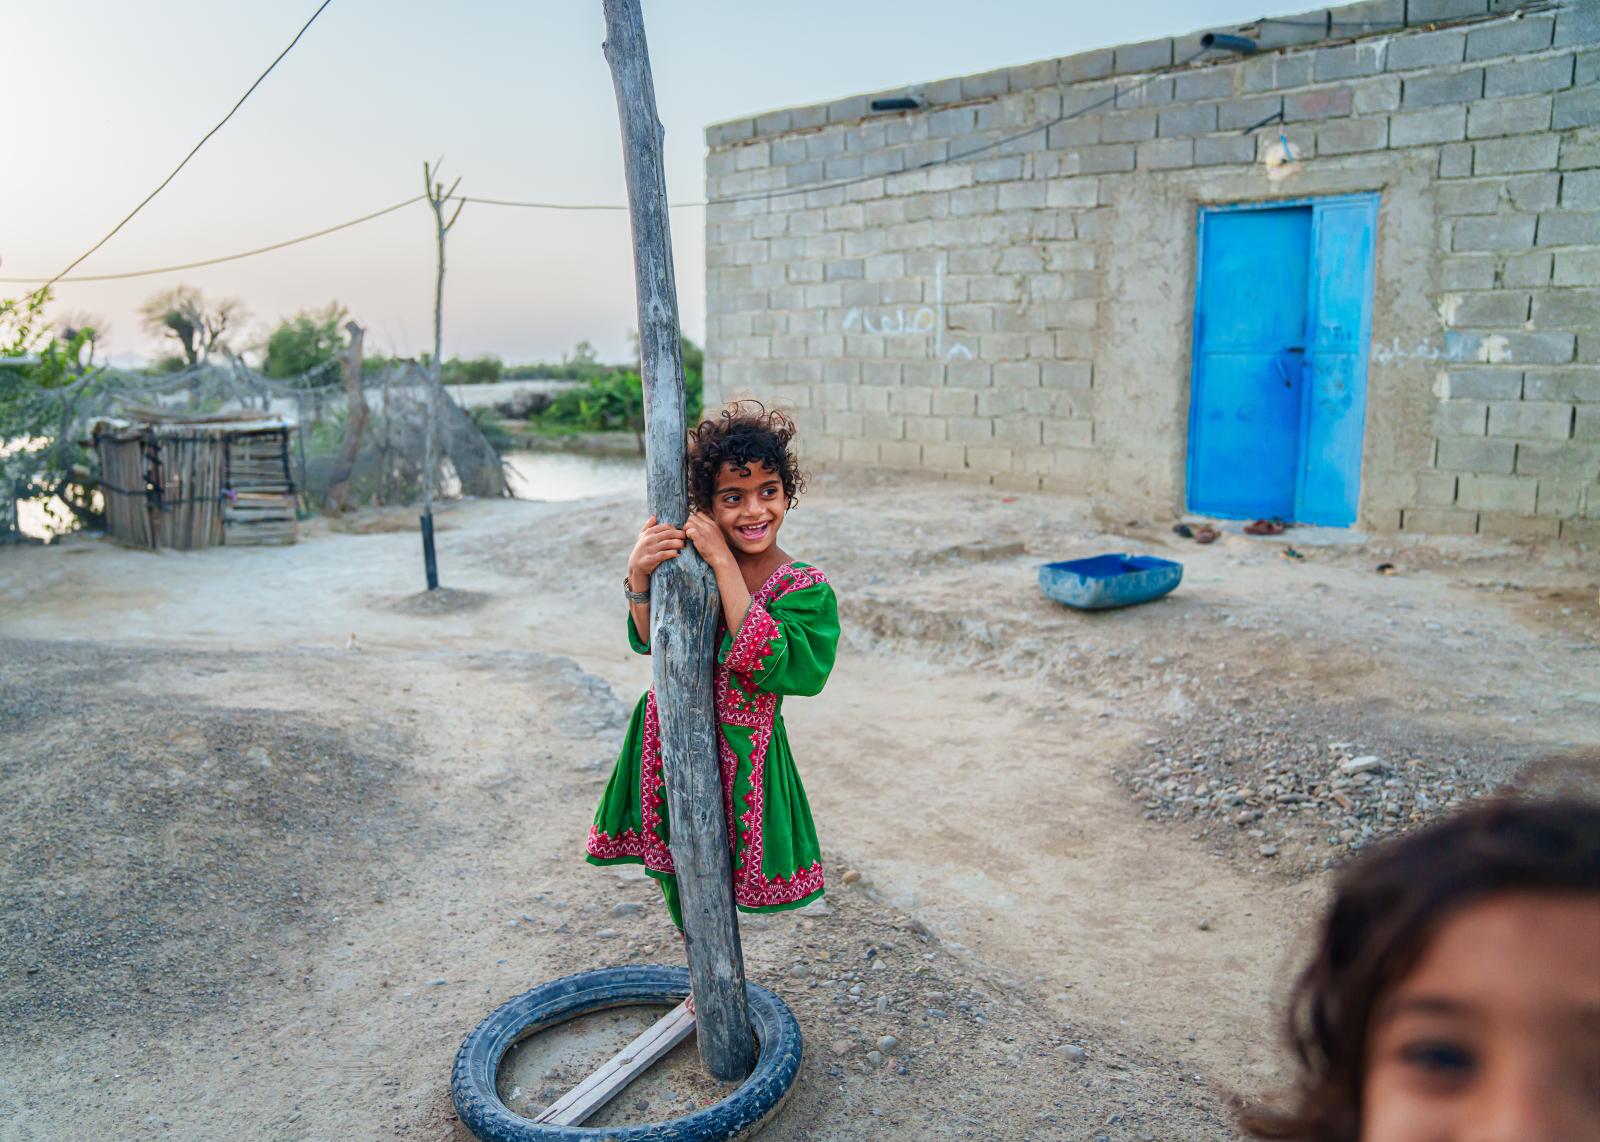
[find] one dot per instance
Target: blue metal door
(1244, 417)
(1282, 319)
(1336, 361)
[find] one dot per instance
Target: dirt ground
(275, 834)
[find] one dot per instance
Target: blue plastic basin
(1105, 581)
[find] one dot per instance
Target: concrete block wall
(999, 286)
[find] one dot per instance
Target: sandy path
(265, 894)
(962, 757)
(1016, 843)
(1004, 831)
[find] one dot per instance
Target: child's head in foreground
(1455, 994)
(743, 474)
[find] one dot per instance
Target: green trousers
(669, 893)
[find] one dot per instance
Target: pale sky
(103, 97)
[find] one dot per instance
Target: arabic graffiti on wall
(1491, 349)
(927, 321)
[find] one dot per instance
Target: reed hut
(197, 481)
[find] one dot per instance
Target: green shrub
(472, 371)
(302, 342)
(614, 403)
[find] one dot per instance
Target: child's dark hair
(745, 433)
(1387, 907)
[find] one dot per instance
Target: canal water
(572, 475)
(551, 476)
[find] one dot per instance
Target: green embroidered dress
(785, 645)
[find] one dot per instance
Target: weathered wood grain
(602, 1085)
(355, 423)
(683, 610)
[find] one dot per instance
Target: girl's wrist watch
(634, 596)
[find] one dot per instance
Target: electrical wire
(193, 151)
(322, 233)
(1327, 24)
(567, 205)
(810, 188)
(1371, 26)
(1115, 94)
(228, 257)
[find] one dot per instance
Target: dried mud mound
(439, 601)
(159, 852)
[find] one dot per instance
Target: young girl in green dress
(779, 631)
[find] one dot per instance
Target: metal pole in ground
(683, 605)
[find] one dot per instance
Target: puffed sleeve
(639, 645)
(787, 646)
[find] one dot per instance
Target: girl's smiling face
(1495, 1034)
(749, 507)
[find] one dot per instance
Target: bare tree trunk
(683, 610)
(355, 421)
(437, 197)
(10, 531)
(388, 437)
(303, 494)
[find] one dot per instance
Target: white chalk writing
(1492, 349)
(923, 321)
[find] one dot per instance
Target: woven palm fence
(56, 455)
(190, 482)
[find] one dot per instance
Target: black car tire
(740, 1115)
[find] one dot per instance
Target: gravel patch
(1299, 790)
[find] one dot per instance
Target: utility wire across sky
(1115, 94)
(192, 151)
(808, 188)
(226, 257)
(321, 233)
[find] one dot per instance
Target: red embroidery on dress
(739, 703)
(754, 642)
(730, 777)
(645, 843)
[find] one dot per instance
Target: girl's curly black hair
(745, 433)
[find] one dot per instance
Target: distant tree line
(38, 461)
(606, 397)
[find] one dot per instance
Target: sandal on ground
(1183, 530)
(1265, 527)
(1205, 535)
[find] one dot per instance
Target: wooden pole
(300, 447)
(683, 606)
(437, 197)
(580, 1103)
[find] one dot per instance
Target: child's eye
(1443, 1059)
